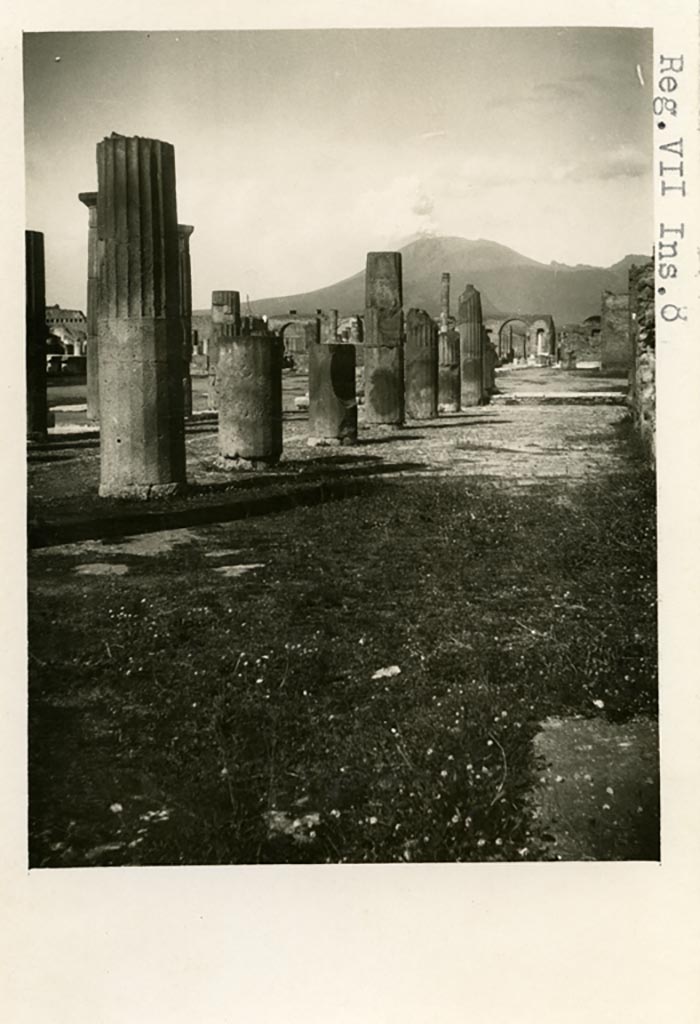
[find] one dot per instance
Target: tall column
(36, 335)
(421, 365)
(330, 323)
(470, 336)
(185, 266)
(89, 199)
(448, 354)
(488, 365)
(249, 384)
(225, 322)
(383, 344)
(332, 396)
(142, 430)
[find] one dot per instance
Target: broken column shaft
(471, 347)
(89, 199)
(249, 387)
(36, 335)
(332, 396)
(184, 232)
(383, 339)
(421, 365)
(142, 432)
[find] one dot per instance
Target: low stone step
(561, 398)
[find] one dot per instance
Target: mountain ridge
(509, 282)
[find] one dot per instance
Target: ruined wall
(616, 344)
(580, 343)
(643, 337)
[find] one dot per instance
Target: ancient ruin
(184, 231)
(36, 332)
(616, 344)
(92, 373)
(642, 329)
(421, 365)
(523, 338)
(471, 348)
(142, 437)
(332, 396)
(249, 387)
(448, 356)
(383, 340)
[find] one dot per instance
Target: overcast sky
(299, 151)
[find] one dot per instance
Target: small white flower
(116, 808)
(599, 703)
(372, 820)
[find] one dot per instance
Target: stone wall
(616, 345)
(642, 331)
(579, 343)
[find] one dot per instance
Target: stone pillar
(249, 385)
(225, 322)
(183, 246)
(470, 336)
(448, 354)
(36, 335)
(331, 327)
(142, 430)
(332, 395)
(421, 365)
(488, 365)
(89, 199)
(383, 344)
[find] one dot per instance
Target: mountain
(508, 281)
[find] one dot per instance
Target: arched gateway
(523, 337)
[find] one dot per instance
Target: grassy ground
(190, 712)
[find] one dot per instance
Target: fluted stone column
(184, 232)
(448, 354)
(89, 199)
(142, 431)
(225, 322)
(249, 385)
(471, 341)
(421, 365)
(383, 342)
(36, 335)
(332, 394)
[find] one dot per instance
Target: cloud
(430, 136)
(405, 206)
(622, 162)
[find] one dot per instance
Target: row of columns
(140, 309)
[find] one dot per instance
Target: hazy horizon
(299, 151)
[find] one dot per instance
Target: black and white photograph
(341, 415)
(351, 522)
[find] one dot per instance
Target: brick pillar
(249, 385)
(383, 343)
(142, 431)
(225, 322)
(36, 335)
(421, 365)
(470, 336)
(184, 232)
(332, 395)
(89, 199)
